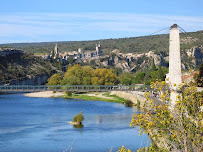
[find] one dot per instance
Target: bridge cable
(186, 34)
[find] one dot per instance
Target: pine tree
(160, 73)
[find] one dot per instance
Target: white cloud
(39, 26)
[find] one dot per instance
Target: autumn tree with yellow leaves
(180, 129)
(84, 75)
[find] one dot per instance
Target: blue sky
(70, 20)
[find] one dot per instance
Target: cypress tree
(200, 77)
(160, 73)
(153, 66)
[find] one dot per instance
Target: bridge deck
(74, 88)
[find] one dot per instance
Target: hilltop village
(15, 63)
(79, 55)
(127, 62)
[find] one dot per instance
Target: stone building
(77, 55)
(90, 54)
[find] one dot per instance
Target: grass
(94, 98)
(40, 53)
(115, 97)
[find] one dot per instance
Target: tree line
(87, 75)
(126, 45)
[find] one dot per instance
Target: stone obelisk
(174, 63)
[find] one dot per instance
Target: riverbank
(94, 96)
(97, 96)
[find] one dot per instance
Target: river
(41, 125)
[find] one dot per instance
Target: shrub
(138, 103)
(178, 129)
(78, 118)
(69, 93)
(128, 103)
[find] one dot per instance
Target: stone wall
(133, 96)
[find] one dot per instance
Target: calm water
(41, 125)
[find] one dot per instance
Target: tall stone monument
(56, 51)
(174, 63)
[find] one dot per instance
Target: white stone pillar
(174, 63)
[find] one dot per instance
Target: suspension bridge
(74, 88)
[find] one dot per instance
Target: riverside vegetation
(87, 75)
(104, 97)
(180, 129)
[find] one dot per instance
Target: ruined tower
(174, 62)
(80, 50)
(98, 49)
(56, 51)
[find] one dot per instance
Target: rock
(116, 60)
(158, 59)
(196, 53)
(105, 63)
(74, 123)
(123, 65)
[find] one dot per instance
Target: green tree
(55, 79)
(73, 80)
(74, 75)
(161, 75)
(200, 77)
(126, 78)
(70, 60)
(92, 62)
(118, 71)
(110, 77)
(95, 81)
(139, 77)
(78, 118)
(153, 66)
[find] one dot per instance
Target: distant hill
(126, 45)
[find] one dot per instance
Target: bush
(178, 129)
(128, 103)
(138, 103)
(69, 93)
(78, 118)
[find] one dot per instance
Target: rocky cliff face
(192, 57)
(25, 69)
(37, 80)
(135, 62)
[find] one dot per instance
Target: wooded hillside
(126, 45)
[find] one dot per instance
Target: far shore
(99, 96)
